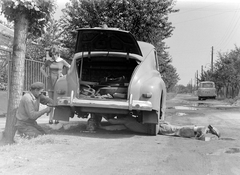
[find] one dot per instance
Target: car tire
(153, 129)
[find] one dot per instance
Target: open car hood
(106, 40)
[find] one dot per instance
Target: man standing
(28, 111)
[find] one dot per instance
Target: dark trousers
(29, 128)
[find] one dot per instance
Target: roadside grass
(232, 100)
(29, 143)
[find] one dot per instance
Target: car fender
(62, 89)
(155, 87)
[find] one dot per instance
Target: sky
(199, 26)
(60, 6)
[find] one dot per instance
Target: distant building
(6, 37)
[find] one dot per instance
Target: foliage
(4, 56)
(147, 20)
(169, 74)
(183, 89)
(51, 35)
(37, 12)
(46, 33)
(3, 71)
(226, 74)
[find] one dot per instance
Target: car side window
(156, 61)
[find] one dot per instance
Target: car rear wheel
(153, 129)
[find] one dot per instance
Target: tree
(169, 74)
(147, 20)
(29, 17)
(51, 35)
(226, 74)
(183, 89)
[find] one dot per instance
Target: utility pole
(202, 72)
(212, 60)
(197, 79)
(191, 87)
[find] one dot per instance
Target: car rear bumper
(106, 103)
(206, 93)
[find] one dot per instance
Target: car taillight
(61, 92)
(147, 95)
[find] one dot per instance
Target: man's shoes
(50, 122)
(213, 130)
(56, 122)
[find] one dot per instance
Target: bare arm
(30, 110)
(45, 100)
(65, 63)
(42, 69)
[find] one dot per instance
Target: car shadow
(79, 129)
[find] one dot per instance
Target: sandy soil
(74, 151)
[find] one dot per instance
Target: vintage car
(206, 90)
(112, 75)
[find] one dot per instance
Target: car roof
(106, 39)
(206, 82)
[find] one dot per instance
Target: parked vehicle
(206, 90)
(112, 75)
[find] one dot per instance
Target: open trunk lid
(110, 40)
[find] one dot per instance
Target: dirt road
(121, 152)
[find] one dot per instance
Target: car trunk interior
(105, 76)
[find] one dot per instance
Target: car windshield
(207, 85)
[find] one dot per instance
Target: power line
(226, 34)
(230, 35)
(180, 13)
(231, 32)
(203, 17)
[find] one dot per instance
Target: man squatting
(28, 111)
